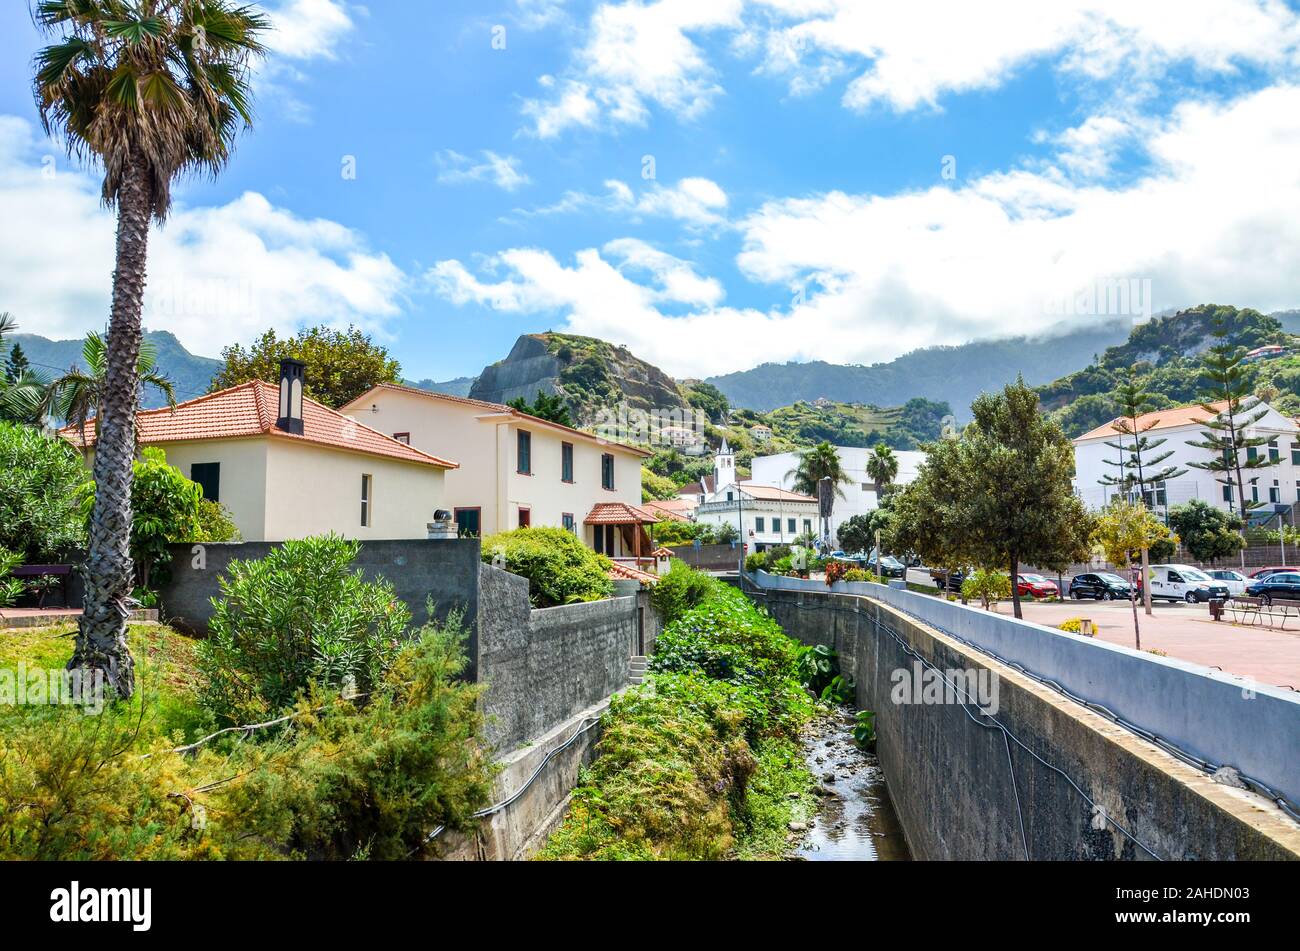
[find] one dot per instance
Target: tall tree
(882, 466)
(928, 518)
(1233, 410)
(151, 89)
(1013, 469)
(820, 462)
(552, 408)
(78, 395)
(1139, 461)
(340, 364)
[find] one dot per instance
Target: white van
(1184, 583)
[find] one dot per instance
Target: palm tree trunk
(101, 638)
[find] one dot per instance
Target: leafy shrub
(782, 566)
(214, 523)
(815, 666)
(560, 569)
(756, 561)
(40, 481)
(680, 590)
(299, 616)
(835, 571)
(858, 574)
(839, 690)
(989, 586)
(1072, 625)
(864, 729)
(11, 589)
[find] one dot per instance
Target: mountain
(953, 375)
(1166, 352)
(190, 374)
(592, 375)
(457, 387)
(1289, 319)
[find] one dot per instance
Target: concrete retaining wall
(960, 794)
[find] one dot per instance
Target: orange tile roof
(675, 509)
(621, 572)
(618, 513)
(495, 408)
(249, 410)
(1163, 419)
(662, 552)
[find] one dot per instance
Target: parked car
(1185, 583)
(1259, 573)
(1281, 584)
(955, 578)
(1036, 586)
(1235, 581)
(890, 566)
(1102, 585)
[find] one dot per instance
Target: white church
(765, 515)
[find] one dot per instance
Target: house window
(525, 517)
(1295, 455)
(208, 476)
(789, 525)
(566, 462)
(569, 525)
(403, 438)
(1254, 491)
(1274, 454)
(365, 501)
(758, 524)
(524, 460)
(607, 471)
(807, 525)
(467, 522)
(1275, 492)
(1251, 453)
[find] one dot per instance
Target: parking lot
(1184, 631)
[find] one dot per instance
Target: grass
(780, 792)
(165, 671)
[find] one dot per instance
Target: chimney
(291, 372)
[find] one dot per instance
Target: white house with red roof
(765, 515)
(287, 467)
(1275, 486)
(518, 470)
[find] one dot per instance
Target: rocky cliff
(590, 374)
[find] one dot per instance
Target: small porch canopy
(630, 521)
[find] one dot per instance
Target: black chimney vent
(291, 381)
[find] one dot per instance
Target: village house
(517, 470)
(287, 467)
(1276, 487)
(765, 515)
(859, 493)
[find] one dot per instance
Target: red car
(1260, 573)
(1036, 586)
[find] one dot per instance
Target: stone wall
(962, 788)
(543, 665)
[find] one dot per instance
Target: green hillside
(190, 374)
(1166, 351)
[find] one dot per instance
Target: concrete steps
(637, 670)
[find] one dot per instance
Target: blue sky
(798, 209)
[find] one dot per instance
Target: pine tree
(1233, 411)
(16, 364)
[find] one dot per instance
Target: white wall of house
(763, 523)
(243, 477)
(486, 444)
(1275, 485)
(859, 495)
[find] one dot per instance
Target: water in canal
(855, 820)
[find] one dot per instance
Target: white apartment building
(517, 470)
(1276, 487)
(859, 495)
(765, 515)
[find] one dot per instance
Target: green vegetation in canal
(703, 760)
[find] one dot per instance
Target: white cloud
(636, 55)
(500, 170)
(216, 274)
(1216, 218)
(308, 29)
(696, 202)
(903, 56)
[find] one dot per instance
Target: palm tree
(78, 395)
(151, 89)
(882, 466)
(820, 462)
(20, 393)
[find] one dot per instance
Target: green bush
(11, 589)
(300, 616)
(560, 569)
(756, 561)
(986, 585)
(40, 481)
(858, 574)
(680, 590)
